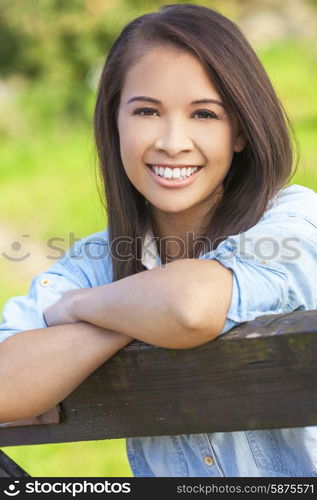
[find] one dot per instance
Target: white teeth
(168, 173)
(176, 173)
(173, 173)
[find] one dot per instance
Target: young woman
(203, 233)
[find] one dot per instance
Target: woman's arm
(181, 305)
(39, 368)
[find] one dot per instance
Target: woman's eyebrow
(208, 101)
(144, 98)
(156, 101)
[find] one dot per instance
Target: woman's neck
(174, 241)
(177, 233)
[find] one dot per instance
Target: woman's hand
(63, 311)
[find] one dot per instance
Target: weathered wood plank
(8, 468)
(260, 375)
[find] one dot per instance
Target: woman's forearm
(142, 306)
(39, 368)
(161, 306)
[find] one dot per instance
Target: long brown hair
(256, 174)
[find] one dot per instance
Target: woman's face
(171, 119)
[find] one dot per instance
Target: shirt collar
(150, 257)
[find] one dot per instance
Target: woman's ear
(239, 143)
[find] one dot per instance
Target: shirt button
(209, 460)
(264, 262)
(45, 282)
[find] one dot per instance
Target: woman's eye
(145, 111)
(205, 114)
(202, 113)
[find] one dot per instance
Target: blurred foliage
(61, 43)
(83, 459)
(57, 42)
(57, 47)
(64, 42)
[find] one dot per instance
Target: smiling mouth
(174, 172)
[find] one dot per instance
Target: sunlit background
(51, 53)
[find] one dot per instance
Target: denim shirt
(274, 271)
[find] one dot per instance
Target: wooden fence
(260, 375)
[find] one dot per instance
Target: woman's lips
(176, 183)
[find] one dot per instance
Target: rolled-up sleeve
(26, 312)
(274, 267)
(86, 264)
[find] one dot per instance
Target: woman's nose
(173, 140)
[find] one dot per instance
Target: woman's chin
(171, 208)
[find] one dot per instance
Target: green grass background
(48, 187)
